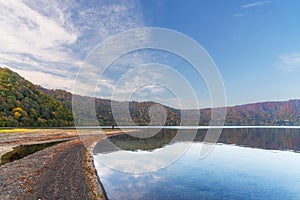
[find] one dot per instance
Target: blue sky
(255, 44)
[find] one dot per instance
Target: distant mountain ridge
(277, 113)
(255, 114)
(25, 104)
(139, 111)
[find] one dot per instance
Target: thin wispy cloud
(255, 4)
(290, 62)
(238, 15)
(245, 7)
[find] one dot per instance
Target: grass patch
(17, 130)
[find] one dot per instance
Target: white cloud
(48, 80)
(290, 62)
(51, 38)
(24, 30)
(153, 88)
(255, 4)
(47, 41)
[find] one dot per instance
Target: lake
(246, 163)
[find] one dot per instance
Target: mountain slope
(139, 111)
(265, 113)
(270, 113)
(23, 104)
(283, 113)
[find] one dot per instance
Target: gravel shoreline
(63, 171)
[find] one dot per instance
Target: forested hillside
(259, 114)
(284, 113)
(139, 111)
(23, 104)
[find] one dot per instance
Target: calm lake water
(248, 163)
